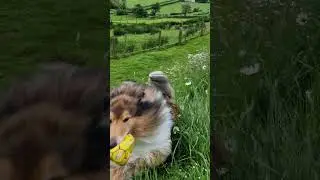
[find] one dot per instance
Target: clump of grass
(191, 31)
(121, 12)
(154, 42)
(121, 47)
(119, 31)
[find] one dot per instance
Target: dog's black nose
(113, 143)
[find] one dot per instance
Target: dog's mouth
(115, 141)
(113, 144)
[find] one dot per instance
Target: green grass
(176, 7)
(268, 119)
(33, 32)
(138, 39)
(129, 19)
(141, 38)
(191, 144)
(142, 64)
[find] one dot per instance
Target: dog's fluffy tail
(161, 81)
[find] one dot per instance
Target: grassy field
(191, 139)
(129, 19)
(132, 3)
(190, 157)
(34, 32)
(176, 7)
(167, 9)
(134, 42)
(140, 38)
(270, 119)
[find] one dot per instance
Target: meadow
(132, 3)
(176, 7)
(269, 117)
(127, 19)
(140, 39)
(160, 30)
(187, 66)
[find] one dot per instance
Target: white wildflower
(188, 83)
(199, 60)
(204, 67)
(176, 129)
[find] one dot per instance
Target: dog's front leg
(156, 158)
(153, 159)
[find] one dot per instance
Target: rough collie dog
(51, 125)
(146, 112)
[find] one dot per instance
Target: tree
(121, 12)
(114, 4)
(186, 8)
(155, 8)
(139, 11)
(124, 4)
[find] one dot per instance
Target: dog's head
(52, 124)
(133, 110)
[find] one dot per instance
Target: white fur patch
(159, 141)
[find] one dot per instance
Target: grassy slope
(132, 19)
(176, 7)
(191, 147)
(138, 66)
(167, 9)
(132, 3)
(35, 31)
(140, 38)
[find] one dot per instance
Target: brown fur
(125, 104)
(45, 121)
(137, 109)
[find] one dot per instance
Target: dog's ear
(142, 104)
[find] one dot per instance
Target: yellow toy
(121, 153)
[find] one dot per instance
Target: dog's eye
(126, 119)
